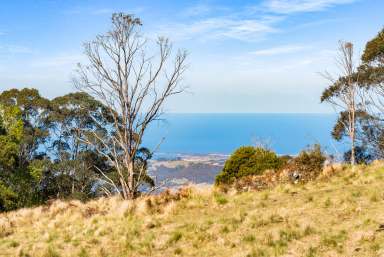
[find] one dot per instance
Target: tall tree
(77, 164)
(134, 85)
(344, 93)
(365, 151)
(11, 133)
(371, 82)
(371, 72)
(70, 118)
(34, 112)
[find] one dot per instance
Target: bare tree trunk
(133, 85)
(352, 133)
(344, 92)
(131, 184)
(353, 154)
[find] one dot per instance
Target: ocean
(201, 134)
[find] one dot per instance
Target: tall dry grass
(338, 215)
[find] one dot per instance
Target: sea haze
(201, 134)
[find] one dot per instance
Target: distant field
(337, 216)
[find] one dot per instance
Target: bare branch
(133, 85)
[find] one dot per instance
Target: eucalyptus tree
(133, 83)
(23, 177)
(71, 118)
(365, 133)
(371, 77)
(76, 164)
(344, 93)
(11, 133)
(371, 73)
(34, 112)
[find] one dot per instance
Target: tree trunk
(353, 158)
(131, 181)
(121, 73)
(353, 134)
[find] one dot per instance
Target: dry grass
(339, 215)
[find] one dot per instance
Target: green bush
(8, 198)
(309, 163)
(248, 160)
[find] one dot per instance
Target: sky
(246, 56)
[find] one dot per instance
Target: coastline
(183, 169)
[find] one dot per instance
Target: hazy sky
(245, 56)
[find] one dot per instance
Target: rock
(367, 236)
(381, 228)
(295, 176)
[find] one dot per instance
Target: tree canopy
(43, 155)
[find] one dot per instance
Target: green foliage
(248, 160)
(18, 173)
(363, 121)
(338, 89)
(371, 79)
(72, 116)
(44, 154)
(369, 133)
(11, 133)
(220, 199)
(175, 237)
(36, 169)
(309, 163)
(32, 131)
(8, 198)
(11, 123)
(34, 110)
(374, 49)
(69, 179)
(362, 155)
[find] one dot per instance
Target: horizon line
(304, 113)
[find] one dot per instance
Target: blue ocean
(200, 134)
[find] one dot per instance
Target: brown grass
(338, 215)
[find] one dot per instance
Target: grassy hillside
(336, 216)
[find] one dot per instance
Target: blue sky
(244, 56)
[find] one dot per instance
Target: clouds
(15, 49)
(242, 53)
(197, 10)
(50, 73)
(61, 61)
(286, 49)
(243, 23)
(100, 11)
(219, 28)
(296, 6)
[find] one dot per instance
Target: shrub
(8, 199)
(220, 199)
(248, 160)
(309, 163)
(285, 159)
(362, 155)
(175, 237)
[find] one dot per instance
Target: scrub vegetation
(338, 214)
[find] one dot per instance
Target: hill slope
(339, 216)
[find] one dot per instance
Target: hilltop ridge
(338, 215)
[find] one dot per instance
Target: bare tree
(134, 85)
(344, 93)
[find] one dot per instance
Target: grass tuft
(339, 215)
